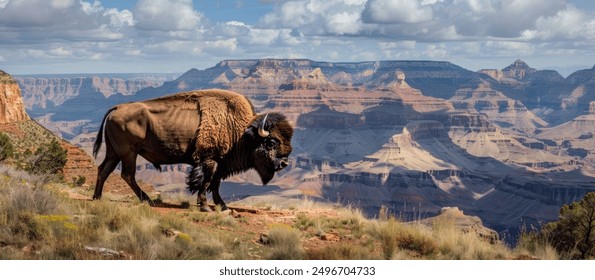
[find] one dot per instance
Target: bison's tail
(97, 144)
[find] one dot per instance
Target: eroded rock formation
(12, 108)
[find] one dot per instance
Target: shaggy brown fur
(212, 130)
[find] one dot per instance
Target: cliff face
(518, 70)
(69, 105)
(504, 111)
(44, 92)
(260, 77)
(546, 93)
(12, 108)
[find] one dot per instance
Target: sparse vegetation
(47, 159)
(286, 243)
(35, 136)
(38, 221)
(79, 181)
(6, 79)
(532, 245)
(342, 251)
(387, 234)
(6, 147)
(572, 236)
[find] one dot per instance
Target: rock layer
(12, 108)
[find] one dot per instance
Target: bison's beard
(266, 174)
(266, 171)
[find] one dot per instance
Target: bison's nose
(281, 163)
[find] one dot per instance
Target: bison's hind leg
(128, 174)
(105, 169)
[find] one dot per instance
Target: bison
(214, 131)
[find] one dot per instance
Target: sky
(173, 36)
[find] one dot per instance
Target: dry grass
(37, 221)
(457, 245)
(443, 241)
(532, 245)
(342, 251)
(286, 243)
(216, 218)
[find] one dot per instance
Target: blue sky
(86, 36)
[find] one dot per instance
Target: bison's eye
(270, 143)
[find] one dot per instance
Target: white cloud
(569, 23)
(166, 15)
(174, 31)
(409, 45)
(344, 23)
(62, 4)
(32, 53)
(508, 46)
(97, 57)
(119, 18)
(436, 51)
(396, 11)
(420, 20)
(37, 13)
(60, 51)
(263, 37)
(288, 14)
(59, 20)
(222, 46)
(317, 17)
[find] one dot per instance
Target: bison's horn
(261, 131)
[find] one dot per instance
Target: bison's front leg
(215, 190)
(200, 179)
(202, 202)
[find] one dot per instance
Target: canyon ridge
(508, 145)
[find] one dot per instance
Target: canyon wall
(12, 108)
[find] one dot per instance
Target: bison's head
(271, 135)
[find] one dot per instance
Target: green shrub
(573, 235)
(79, 181)
(49, 159)
(6, 147)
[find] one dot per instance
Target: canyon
(507, 145)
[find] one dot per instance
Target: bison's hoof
(155, 203)
(205, 209)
